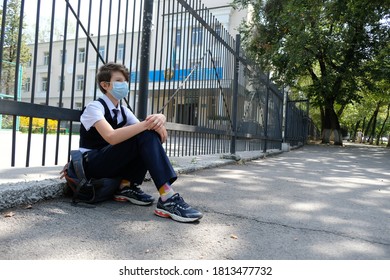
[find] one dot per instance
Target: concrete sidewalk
(23, 186)
(314, 203)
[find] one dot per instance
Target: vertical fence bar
(266, 115)
(235, 95)
(285, 115)
(62, 81)
(17, 65)
(306, 123)
(87, 54)
(98, 56)
(117, 32)
(108, 30)
(33, 81)
(145, 56)
(49, 71)
(125, 39)
(156, 77)
(3, 17)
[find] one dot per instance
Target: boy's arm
(116, 136)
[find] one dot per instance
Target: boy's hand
(155, 121)
(162, 131)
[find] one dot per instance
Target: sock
(124, 183)
(166, 191)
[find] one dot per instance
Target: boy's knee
(149, 135)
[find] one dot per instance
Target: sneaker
(135, 195)
(177, 209)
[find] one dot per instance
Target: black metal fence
(183, 63)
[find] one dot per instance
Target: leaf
(9, 214)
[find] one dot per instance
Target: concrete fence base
(24, 193)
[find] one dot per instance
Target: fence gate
(182, 60)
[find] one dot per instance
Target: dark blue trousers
(131, 160)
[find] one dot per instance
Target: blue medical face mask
(120, 90)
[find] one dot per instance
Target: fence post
(235, 95)
(232, 154)
(144, 61)
(285, 143)
(266, 116)
(286, 118)
(306, 123)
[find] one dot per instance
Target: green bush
(37, 125)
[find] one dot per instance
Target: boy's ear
(105, 86)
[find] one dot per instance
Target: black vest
(91, 139)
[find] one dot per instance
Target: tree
(10, 52)
(376, 86)
(11, 43)
(327, 41)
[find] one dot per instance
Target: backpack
(86, 190)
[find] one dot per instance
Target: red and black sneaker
(135, 195)
(177, 209)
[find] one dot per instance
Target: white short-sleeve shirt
(94, 112)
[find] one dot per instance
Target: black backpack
(86, 190)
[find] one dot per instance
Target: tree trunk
(322, 114)
(388, 141)
(364, 125)
(383, 126)
(331, 125)
(367, 129)
(374, 119)
(355, 131)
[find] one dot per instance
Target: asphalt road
(314, 203)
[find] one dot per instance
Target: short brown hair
(105, 73)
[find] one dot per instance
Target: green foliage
(11, 35)
(6, 122)
(11, 45)
(334, 52)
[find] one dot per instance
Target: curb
(26, 193)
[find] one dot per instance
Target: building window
(27, 84)
(44, 84)
(61, 83)
(81, 57)
(102, 51)
(178, 38)
(197, 35)
(46, 58)
(63, 59)
(80, 82)
(78, 105)
(121, 48)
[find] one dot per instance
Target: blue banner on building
(178, 75)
